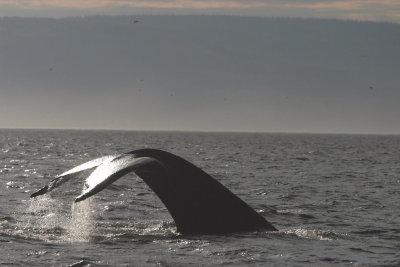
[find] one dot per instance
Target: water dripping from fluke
(81, 223)
(52, 220)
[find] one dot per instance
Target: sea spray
(43, 218)
(51, 219)
(81, 223)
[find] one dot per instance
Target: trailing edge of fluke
(198, 203)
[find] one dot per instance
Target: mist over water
(334, 199)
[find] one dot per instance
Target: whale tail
(198, 203)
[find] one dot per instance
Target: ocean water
(334, 199)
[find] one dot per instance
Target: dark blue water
(334, 199)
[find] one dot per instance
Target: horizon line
(200, 131)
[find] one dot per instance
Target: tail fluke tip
(40, 192)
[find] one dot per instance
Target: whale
(197, 202)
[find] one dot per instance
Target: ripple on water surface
(334, 197)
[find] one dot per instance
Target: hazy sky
(375, 10)
(225, 73)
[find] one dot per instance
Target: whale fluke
(66, 176)
(198, 203)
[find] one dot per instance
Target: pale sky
(265, 73)
(371, 10)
